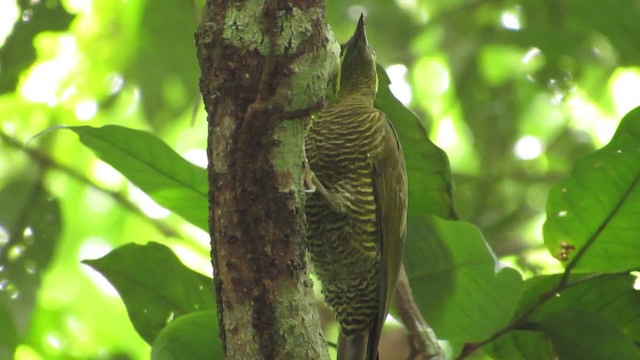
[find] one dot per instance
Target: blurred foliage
(154, 285)
(514, 92)
(193, 336)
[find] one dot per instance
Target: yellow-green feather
(356, 228)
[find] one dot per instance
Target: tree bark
(264, 69)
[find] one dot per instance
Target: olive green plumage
(356, 218)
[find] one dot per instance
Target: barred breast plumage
(344, 247)
(356, 218)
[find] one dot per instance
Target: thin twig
(422, 339)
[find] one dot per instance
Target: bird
(356, 208)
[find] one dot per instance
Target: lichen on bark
(265, 66)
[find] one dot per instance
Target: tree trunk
(264, 69)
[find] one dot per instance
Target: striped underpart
(344, 246)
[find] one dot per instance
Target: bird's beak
(360, 34)
(359, 37)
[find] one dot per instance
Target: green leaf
(616, 20)
(610, 296)
(587, 336)
(9, 339)
(520, 345)
(17, 54)
(154, 285)
(191, 336)
(30, 226)
(595, 211)
(428, 167)
(169, 87)
(457, 282)
(154, 167)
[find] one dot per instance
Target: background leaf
(609, 297)
(154, 285)
(579, 335)
(595, 210)
(9, 341)
(521, 345)
(30, 226)
(457, 282)
(18, 53)
(169, 87)
(153, 166)
(427, 165)
(609, 19)
(191, 336)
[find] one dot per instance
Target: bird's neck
(356, 98)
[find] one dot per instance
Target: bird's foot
(309, 177)
(313, 184)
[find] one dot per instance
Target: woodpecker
(357, 206)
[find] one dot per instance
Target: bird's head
(358, 65)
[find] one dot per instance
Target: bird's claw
(309, 187)
(312, 184)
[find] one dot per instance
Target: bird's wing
(390, 192)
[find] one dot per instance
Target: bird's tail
(356, 347)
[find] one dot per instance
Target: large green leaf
(457, 282)
(450, 266)
(154, 167)
(587, 336)
(9, 339)
(191, 336)
(18, 53)
(609, 296)
(520, 345)
(594, 213)
(427, 165)
(612, 296)
(165, 65)
(30, 226)
(154, 285)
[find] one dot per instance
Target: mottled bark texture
(264, 69)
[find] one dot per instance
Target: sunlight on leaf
(427, 165)
(594, 211)
(154, 285)
(191, 336)
(152, 165)
(458, 285)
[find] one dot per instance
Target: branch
(422, 339)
